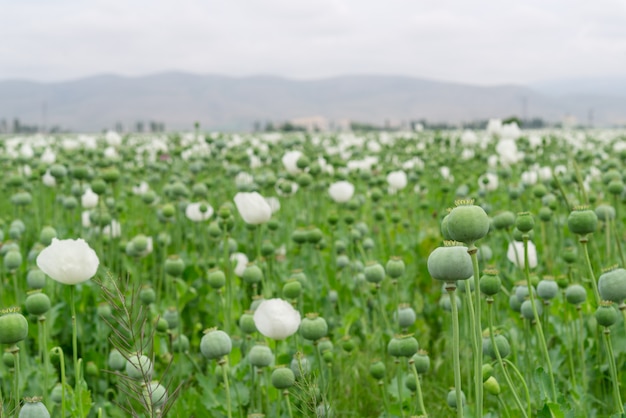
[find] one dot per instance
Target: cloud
(484, 42)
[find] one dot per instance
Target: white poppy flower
(198, 212)
(89, 199)
(515, 254)
(397, 179)
(276, 319)
(290, 161)
(68, 261)
(253, 208)
(341, 191)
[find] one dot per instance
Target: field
(314, 275)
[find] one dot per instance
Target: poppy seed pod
(606, 314)
(138, 367)
(524, 222)
(174, 266)
(283, 378)
(260, 356)
(421, 361)
(395, 267)
(582, 221)
(116, 360)
(33, 408)
(490, 282)
(451, 399)
(467, 223)
(504, 220)
(612, 285)
(450, 264)
(502, 343)
(37, 303)
(155, 394)
(377, 370)
(13, 327)
(215, 344)
(402, 346)
(374, 272)
(547, 289)
(313, 327)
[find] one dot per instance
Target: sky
(485, 42)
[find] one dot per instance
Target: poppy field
(378, 274)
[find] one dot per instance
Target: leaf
(551, 410)
(543, 382)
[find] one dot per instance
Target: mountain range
(219, 102)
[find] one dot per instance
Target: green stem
(223, 363)
(59, 351)
(478, 354)
(399, 384)
(46, 357)
(541, 337)
(418, 390)
(507, 377)
(583, 240)
(522, 381)
(450, 288)
(15, 350)
(288, 401)
(614, 377)
(77, 374)
(581, 348)
(383, 392)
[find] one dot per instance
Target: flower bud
(492, 386)
(215, 344)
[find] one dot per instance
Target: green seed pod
(162, 325)
(492, 386)
(606, 314)
(214, 230)
(13, 328)
(98, 187)
(487, 371)
(490, 282)
(215, 344)
(313, 327)
(168, 210)
(46, 235)
(410, 383)
(273, 224)
(36, 278)
(252, 274)
(468, 223)
(267, 248)
(33, 408)
(37, 304)
(139, 366)
(461, 285)
(539, 190)
(612, 285)
(547, 289)
(172, 317)
(527, 310)
(324, 345)
(300, 365)
(569, 255)
(155, 394)
(504, 220)
(521, 291)
(116, 361)
(180, 344)
(445, 232)
(246, 323)
(504, 348)
(374, 272)
(292, 289)
(402, 346)
(12, 260)
(421, 361)
(406, 316)
(395, 267)
(445, 303)
(283, 378)
(605, 213)
(8, 359)
(524, 222)
(342, 261)
(514, 303)
(174, 266)
(314, 235)
(575, 294)
(616, 187)
(348, 344)
(451, 399)
(450, 264)
(216, 278)
(91, 369)
(140, 243)
(260, 356)
(56, 395)
(377, 370)
(582, 221)
(545, 214)
(147, 295)
(485, 253)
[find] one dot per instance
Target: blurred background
(153, 66)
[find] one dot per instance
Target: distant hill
(227, 103)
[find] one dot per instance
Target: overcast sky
(481, 42)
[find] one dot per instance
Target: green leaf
(551, 410)
(543, 382)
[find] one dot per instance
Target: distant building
(311, 123)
